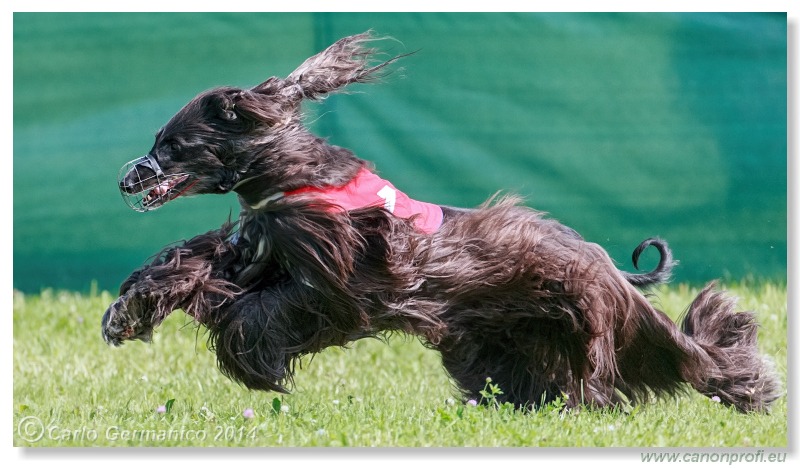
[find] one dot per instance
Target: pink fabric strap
(369, 190)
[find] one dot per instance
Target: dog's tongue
(161, 189)
(164, 191)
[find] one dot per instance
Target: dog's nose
(125, 187)
(133, 174)
(133, 181)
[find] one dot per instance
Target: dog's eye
(175, 147)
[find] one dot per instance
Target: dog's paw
(119, 324)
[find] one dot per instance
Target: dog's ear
(243, 107)
(224, 105)
(346, 61)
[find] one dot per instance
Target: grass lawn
(70, 389)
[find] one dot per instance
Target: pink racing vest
(368, 190)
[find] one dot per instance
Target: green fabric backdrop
(621, 126)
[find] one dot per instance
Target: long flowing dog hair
(501, 291)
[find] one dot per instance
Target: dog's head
(227, 138)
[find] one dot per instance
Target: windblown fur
(500, 291)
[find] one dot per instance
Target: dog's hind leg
(714, 351)
(472, 366)
(740, 376)
(533, 363)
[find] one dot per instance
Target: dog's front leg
(191, 276)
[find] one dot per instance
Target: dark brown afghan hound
(325, 252)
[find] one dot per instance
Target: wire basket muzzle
(144, 186)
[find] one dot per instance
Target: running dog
(326, 252)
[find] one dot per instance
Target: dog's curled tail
(661, 274)
(740, 376)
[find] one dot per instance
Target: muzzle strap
(150, 162)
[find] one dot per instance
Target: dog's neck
(313, 161)
(270, 198)
(252, 193)
(266, 201)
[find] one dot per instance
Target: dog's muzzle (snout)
(145, 187)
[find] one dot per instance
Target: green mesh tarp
(621, 126)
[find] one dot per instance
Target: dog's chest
(261, 254)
